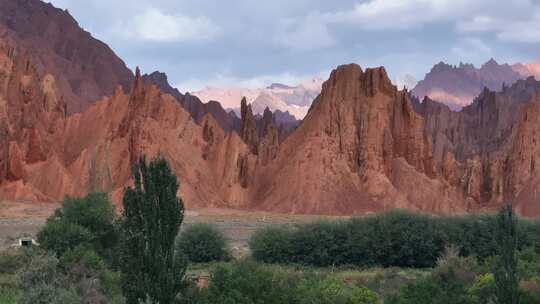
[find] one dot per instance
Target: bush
(42, 283)
(12, 260)
(316, 290)
(482, 290)
(83, 257)
(9, 296)
(87, 221)
(319, 244)
(60, 236)
(202, 243)
(247, 282)
(405, 239)
(395, 238)
(272, 244)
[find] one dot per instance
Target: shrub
(201, 243)
(247, 282)
(405, 239)
(272, 245)
(82, 256)
(317, 290)
(60, 236)
(12, 260)
(319, 244)
(473, 234)
(395, 238)
(443, 288)
(87, 221)
(482, 290)
(9, 296)
(42, 283)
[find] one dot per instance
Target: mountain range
(363, 146)
(293, 99)
(457, 86)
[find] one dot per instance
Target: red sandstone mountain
(364, 146)
(85, 69)
(457, 86)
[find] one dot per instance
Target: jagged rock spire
(248, 128)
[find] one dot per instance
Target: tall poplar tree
(152, 217)
(506, 264)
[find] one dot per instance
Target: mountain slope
(85, 68)
(364, 146)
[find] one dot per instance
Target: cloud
(398, 15)
(521, 27)
(156, 26)
(304, 34)
(472, 49)
(255, 82)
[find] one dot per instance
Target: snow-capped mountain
(294, 99)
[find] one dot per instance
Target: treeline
(396, 238)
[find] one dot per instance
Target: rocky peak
(248, 127)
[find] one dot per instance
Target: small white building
(26, 242)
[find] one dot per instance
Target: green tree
(152, 217)
(506, 264)
(86, 221)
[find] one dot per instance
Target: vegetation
(89, 255)
(202, 243)
(87, 221)
(396, 238)
(152, 217)
(249, 282)
(506, 263)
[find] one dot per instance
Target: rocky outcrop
(84, 68)
(248, 127)
(364, 146)
(50, 155)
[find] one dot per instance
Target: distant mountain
(84, 68)
(293, 99)
(528, 69)
(228, 120)
(457, 86)
(196, 108)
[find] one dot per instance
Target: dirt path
(24, 219)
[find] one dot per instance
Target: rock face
(84, 69)
(248, 128)
(364, 146)
(46, 154)
(458, 86)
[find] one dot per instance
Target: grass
(9, 296)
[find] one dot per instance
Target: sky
(252, 43)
